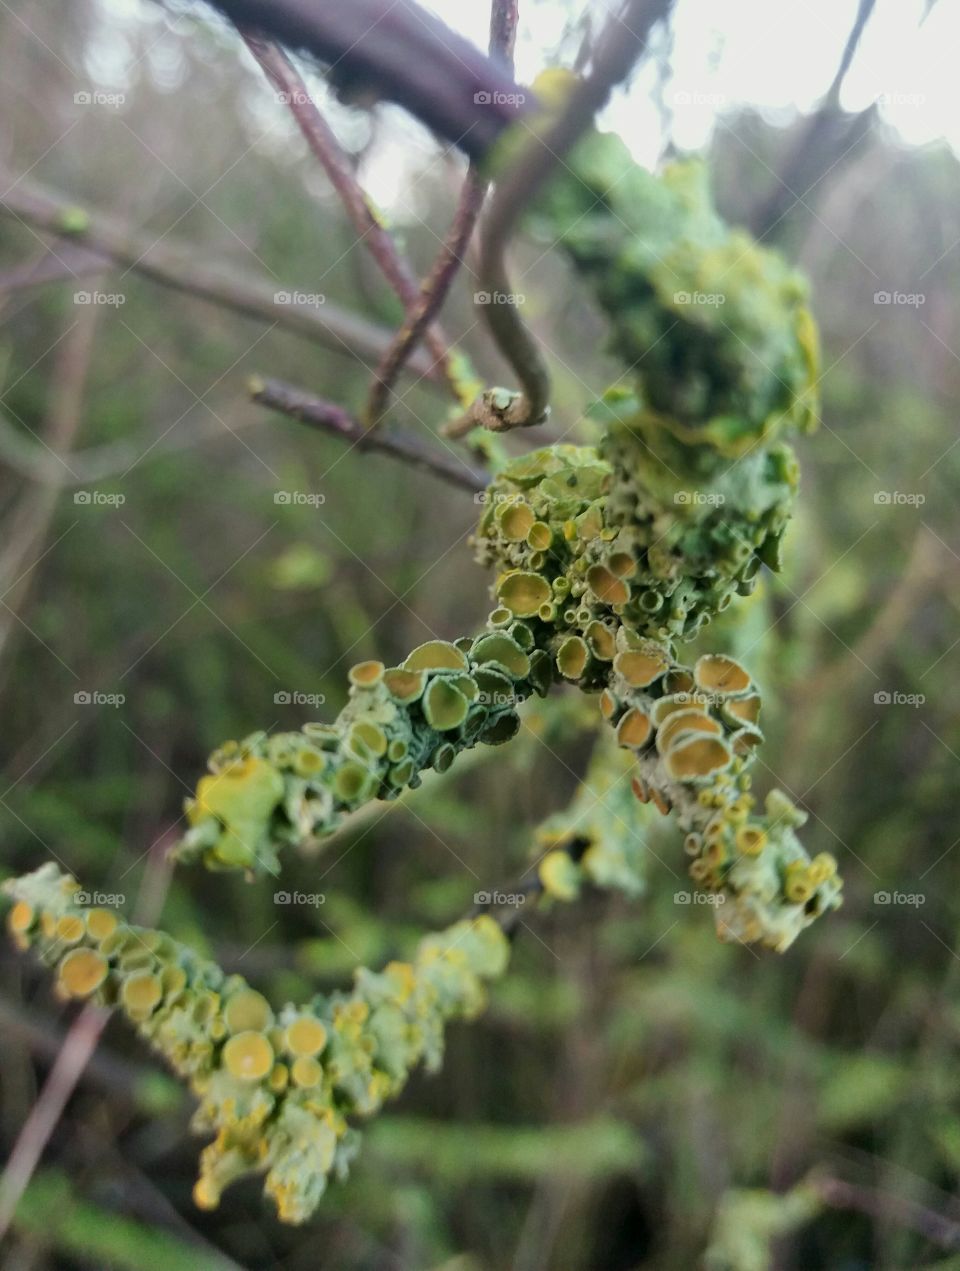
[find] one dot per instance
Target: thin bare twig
(183, 269)
(436, 285)
(621, 43)
(320, 137)
(336, 421)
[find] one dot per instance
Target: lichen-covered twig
(278, 1089)
(365, 218)
(607, 558)
(333, 419)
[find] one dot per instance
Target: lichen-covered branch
(278, 1089)
(606, 559)
(291, 789)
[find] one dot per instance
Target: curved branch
(396, 50)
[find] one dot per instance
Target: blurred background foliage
(636, 1092)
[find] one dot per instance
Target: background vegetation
(631, 1074)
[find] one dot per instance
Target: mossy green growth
(715, 328)
(277, 1090)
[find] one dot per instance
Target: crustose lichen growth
(606, 560)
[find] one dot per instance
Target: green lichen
(605, 559)
(278, 1090)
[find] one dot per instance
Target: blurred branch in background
(183, 269)
(78, 1048)
(825, 138)
(27, 525)
(68, 262)
(39, 462)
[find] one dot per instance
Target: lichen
(277, 1089)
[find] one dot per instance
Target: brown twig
(333, 419)
(436, 285)
(396, 50)
(320, 137)
(623, 40)
(183, 270)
